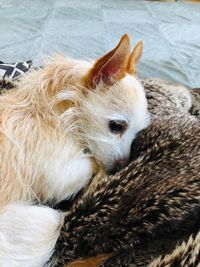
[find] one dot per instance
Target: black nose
(118, 165)
(121, 162)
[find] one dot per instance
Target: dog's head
(114, 107)
(112, 104)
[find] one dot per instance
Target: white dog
(62, 125)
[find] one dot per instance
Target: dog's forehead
(130, 97)
(128, 91)
(130, 83)
(121, 99)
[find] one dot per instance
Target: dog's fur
(55, 135)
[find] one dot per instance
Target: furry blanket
(146, 209)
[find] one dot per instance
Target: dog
(62, 125)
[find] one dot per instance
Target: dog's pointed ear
(135, 58)
(112, 66)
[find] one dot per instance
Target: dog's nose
(118, 165)
(121, 163)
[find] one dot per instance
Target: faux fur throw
(145, 210)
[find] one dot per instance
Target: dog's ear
(135, 58)
(112, 66)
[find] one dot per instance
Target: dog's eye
(117, 126)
